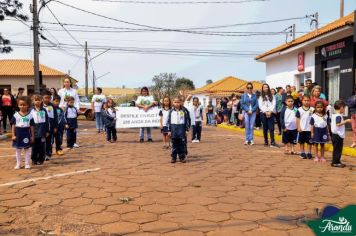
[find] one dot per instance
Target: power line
(183, 2)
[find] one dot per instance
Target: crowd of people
(303, 117)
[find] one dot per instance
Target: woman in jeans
(97, 107)
(145, 102)
(249, 106)
(267, 106)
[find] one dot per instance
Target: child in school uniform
(289, 125)
(41, 127)
(58, 136)
(22, 132)
(196, 115)
(53, 122)
(71, 126)
(319, 130)
(178, 126)
(163, 113)
(109, 118)
(304, 115)
(338, 133)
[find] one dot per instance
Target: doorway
(332, 84)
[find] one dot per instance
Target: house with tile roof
(326, 56)
(16, 74)
(222, 88)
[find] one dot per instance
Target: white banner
(133, 117)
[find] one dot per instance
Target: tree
(209, 81)
(163, 85)
(9, 8)
(184, 84)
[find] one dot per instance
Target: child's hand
(55, 130)
(161, 126)
(32, 140)
(348, 121)
(169, 134)
(13, 138)
(299, 130)
(67, 126)
(47, 134)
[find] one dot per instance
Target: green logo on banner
(335, 222)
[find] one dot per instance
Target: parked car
(85, 108)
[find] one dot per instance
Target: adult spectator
(273, 91)
(249, 106)
(279, 106)
(145, 102)
(351, 102)
(210, 113)
(97, 102)
(7, 105)
(288, 92)
(53, 93)
(225, 110)
(316, 97)
(308, 87)
(65, 93)
(267, 105)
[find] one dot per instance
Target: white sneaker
(246, 143)
(252, 143)
(76, 145)
(194, 141)
(17, 167)
(197, 141)
(27, 166)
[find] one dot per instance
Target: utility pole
(36, 59)
(342, 8)
(293, 31)
(93, 82)
(86, 69)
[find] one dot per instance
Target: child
(53, 122)
(41, 127)
(289, 125)
(178, 126)
(109, 118)
(58, 136)
(338, 133)
(304, 114)
(319, 130)
(163, 113)
(22, 132)
(196, 114)
(70, 116)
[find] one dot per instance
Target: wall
(282, 70)
(17, 82)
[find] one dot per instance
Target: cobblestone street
(225, 188)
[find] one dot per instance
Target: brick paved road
(224, 189)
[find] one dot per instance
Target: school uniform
(41, 127)
(178, 125)
(267, 105)
(304, 119)
(22, 130)
(196, 115)
(320, 124)
(164, 114)
(71, 115)
(58, 137)
(289, 125)
(338, 136)
(109, 118)
(53, 124)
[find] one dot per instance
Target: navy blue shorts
(165, 130)
(305, 137)
(289, 136)
(320, 135)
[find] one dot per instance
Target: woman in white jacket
(267, 105)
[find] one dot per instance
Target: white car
(85, 108)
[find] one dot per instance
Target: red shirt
(313, 100)
(6, 101)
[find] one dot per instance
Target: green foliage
(209, 81)
(9, 8)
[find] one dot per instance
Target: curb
(328, 147)
(5, 136)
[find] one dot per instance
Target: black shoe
(274, 145)
(309, 156)
(173, 161)
(141, 140)
(34, 163)
(182, 160)
(303, 156)
(150, 140)
(266, 144)
(40, 163)
(339, 165)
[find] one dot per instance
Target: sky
(134, 70)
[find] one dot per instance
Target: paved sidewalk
(225, 188)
